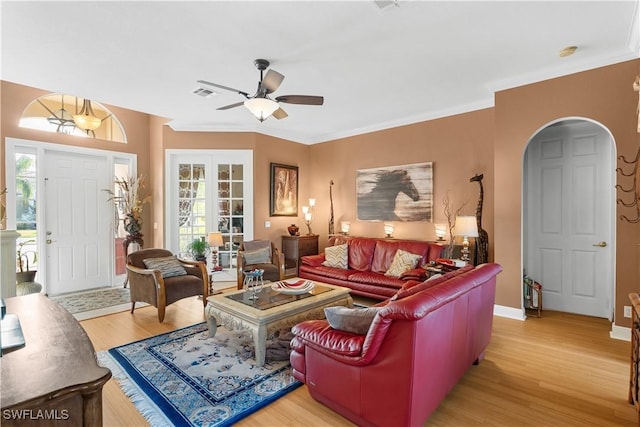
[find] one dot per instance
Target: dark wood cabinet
(295, 247)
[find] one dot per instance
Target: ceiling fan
(260, 104)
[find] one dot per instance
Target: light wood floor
(560, 370)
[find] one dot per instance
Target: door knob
(601, 244)
(49, 241)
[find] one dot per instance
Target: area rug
(185, 378)
(97, 302)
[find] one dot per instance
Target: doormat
(185, 378)
(95, 303)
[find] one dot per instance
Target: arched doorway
(569, 216)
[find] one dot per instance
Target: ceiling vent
(205, 93)
(385, 4)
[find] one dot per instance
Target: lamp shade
(345, 226)
(441, 231)
(261, 107)
(388, 229)
(86, 119)
(466, 226)
(215, 239)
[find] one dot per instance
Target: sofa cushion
(313, 260)
(354, 320)
(169, 266)
(383, 255)
(331, 272)
(361, 253)
(411, 288)
(376, 279)
(402, 261)
(336, 256)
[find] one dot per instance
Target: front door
(77, 217)
(570, 207)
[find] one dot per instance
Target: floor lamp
(215, 240)
(466, 226)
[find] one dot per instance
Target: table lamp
(215, 240)
(466, 226)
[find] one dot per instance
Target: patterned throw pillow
(402, 261)
(169, 266)
(259, 256)
(336, 256)
(354, 320)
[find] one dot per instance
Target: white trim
(40, 147)
(509, 312)
(620, 332)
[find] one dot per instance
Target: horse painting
(401, 193)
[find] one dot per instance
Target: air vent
(205, 93)
(385, 4)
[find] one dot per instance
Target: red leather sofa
(369, 258)
(416, 350)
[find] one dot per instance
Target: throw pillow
(169, 266)
(402, 261)
(354, 320)
(259, 256)
(336, 256)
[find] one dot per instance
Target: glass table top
(268, 298)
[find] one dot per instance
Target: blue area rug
(185, 378)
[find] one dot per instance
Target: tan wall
(459, 147)
(604, 95)
(266, 150)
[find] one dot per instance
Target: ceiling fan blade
(301, 99)
(271, 81)
(227, 107)
(280, 114)
(204, 82)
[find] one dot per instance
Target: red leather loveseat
(415, 351)
(368, 260)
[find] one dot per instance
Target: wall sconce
(308, 215)
(215, 240)
(466, 226)
(388, 229)
(344, 227)
(441, 231)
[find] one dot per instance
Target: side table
(131, 238)
(294, 248)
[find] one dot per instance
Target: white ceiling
(377, 68)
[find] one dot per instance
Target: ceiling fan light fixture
(262, 108)
(86, 119)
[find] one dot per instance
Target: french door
(209, 190)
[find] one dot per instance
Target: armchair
(260, 254)
(158, 278)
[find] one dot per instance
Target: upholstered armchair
(157, 277)
(260, 254)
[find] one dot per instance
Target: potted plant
(129, 202)
(24, 273)
(199, 249)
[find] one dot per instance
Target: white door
(570, 208)
(78, 222)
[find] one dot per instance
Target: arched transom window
(71, 115)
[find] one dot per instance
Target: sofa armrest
(313, 260)
(418, 274)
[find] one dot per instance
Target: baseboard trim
(620, 332)
(509, 312)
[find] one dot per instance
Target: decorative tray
(293, 286)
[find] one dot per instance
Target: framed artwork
(395, 193)
(284, 190)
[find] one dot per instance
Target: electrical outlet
(267, 224)
(627, 311)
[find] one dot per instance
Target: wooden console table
(55, 374)
(634, 374)
(294, 248)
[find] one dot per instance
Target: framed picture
(395, 193)
(284, 190)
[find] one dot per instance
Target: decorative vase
(132, 225)
(293, 229)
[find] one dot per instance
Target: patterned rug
(185, 378)
(94, 303)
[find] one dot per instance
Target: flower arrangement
(129, 202)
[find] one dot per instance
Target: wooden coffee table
(272, 311)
